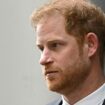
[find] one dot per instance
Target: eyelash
(41, 48)
(52, 46)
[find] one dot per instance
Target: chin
(55, 86)
(52, 85)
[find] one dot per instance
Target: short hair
(81, 17)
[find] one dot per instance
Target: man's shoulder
(56, 102)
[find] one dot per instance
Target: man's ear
(92, 42)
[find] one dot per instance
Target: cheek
(68, 59)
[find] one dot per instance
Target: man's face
(64, 67)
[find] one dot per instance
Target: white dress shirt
(95, 98)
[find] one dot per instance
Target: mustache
(50, 69)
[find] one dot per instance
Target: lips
(50, 72)
(51, 75)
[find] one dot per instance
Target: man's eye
(54, 45)
(40, 48)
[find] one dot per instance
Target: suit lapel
(56, 102)
(60, 102)
(103, 103)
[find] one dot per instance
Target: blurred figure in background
(71, 37)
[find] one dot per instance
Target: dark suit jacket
(59, 102)
(56, 102)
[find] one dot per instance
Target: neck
(93, 82)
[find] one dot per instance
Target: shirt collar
(94, 98)
(64, 102)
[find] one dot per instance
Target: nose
(45, 58)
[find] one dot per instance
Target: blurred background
(21, 82)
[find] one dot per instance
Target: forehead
(50, 23)
(50, 27)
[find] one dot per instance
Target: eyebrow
(50, 41)
(56, 40)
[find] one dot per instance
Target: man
(71, 37)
